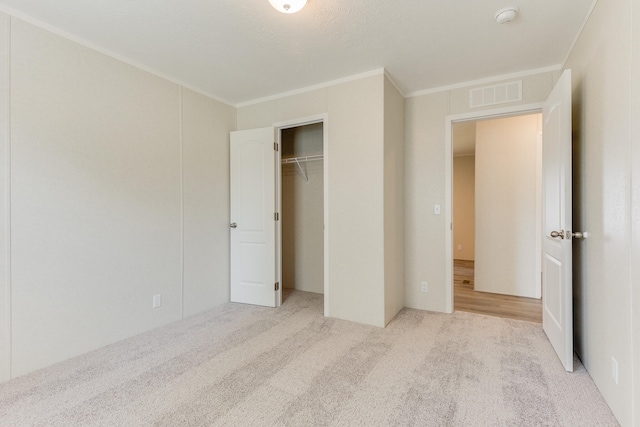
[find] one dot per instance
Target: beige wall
(206, 125)
(605, 200)
(635, 209)
(507, 206)
(114, 175)
(464, 207)
(425, 185)
(303, 211)
(5, 296)
(393, 201)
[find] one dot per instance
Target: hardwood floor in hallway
(467, 299)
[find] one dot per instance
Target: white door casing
(557, 301)
(253, 225)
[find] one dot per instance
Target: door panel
(553, 300)
(557, 311)
(252, 217)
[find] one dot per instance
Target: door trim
(278, 127)
(517, 110)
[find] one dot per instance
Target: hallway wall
(507, 206)
(464, 212)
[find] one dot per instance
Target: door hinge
(275, 146)
(276, 216)
(277, 286)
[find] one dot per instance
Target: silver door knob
(577, 234)
(233, 225)
(559, 234)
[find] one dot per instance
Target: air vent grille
(498, 94)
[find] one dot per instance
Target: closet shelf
(302, 159)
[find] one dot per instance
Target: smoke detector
(507, 14)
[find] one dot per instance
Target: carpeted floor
(241, 365)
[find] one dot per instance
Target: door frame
(278, 127)
(497, 113)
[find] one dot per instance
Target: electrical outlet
(459, 247)
(424, 287)
(157, 300)
(614, 370)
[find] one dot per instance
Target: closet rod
(302, 159)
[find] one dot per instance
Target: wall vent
(498, 94)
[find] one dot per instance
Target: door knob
(559, 234)
(569, 234)
(576, 234)
(233, 225)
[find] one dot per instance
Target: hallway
(466, 299)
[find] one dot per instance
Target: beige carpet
(241, 365)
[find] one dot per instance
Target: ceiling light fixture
(507, 14)
(288, 6)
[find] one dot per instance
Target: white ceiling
(242, 50)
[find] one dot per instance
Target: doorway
(302, 208)
(496, 216)
(497, 263)
(302, 194)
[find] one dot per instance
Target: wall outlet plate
(157, 300)
(424, 287)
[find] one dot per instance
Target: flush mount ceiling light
(507, 14)
(288, 6)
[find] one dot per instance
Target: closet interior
(302, 211)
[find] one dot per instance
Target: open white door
(253, 262)
(557, 308)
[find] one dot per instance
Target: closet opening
(302, 199)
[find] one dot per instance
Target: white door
(557, 309)
(253, 226)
